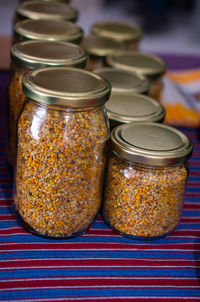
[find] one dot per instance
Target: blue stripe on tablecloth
(105, 272)
(100, 292)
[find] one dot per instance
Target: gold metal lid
(69, 87)
(126, 108)
(151, 144)
(120, 31)
(100, 46)
(48, 30)
(145, 64)
(36, 54)
(37, 10)
(124, 81)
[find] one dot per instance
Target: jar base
(29, 229)
(137, 237)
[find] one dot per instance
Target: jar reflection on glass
(61, 151)
(147, 65)
(98, 49)
(31, 55)
(47, 30)
(146, 178)
(126, 33)
(45, 10)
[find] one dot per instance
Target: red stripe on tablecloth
(100, 282)
(95, 262)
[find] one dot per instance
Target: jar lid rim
(151, 144)
(37, 10)
(66, 86)
(34, 54)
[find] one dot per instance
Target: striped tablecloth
(100, 265)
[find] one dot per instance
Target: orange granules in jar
(30, 55)
(150, 66)
(127, 33)
(62, 134)
(146, 179)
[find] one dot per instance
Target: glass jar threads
(124, 108)
(31, 55)
(146, 179)
(62, 133)
(128, 34)
(47, 10)
(47, 30)
(125, 81)
(98, 49)
(148, 65)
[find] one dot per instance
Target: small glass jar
(31, 55)
(45, 10)
(124, 108)
(128, 34)
(125, 81)
(98, 49)
(62, 135)
(47, 30)
(146, 178)
(148, 65)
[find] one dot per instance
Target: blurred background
(170, 26)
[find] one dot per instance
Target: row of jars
(60, 115)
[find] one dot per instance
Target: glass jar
(31, 55)
(146, 179)
(98, 49)
(148, 65)
(124, 108)
(46, 10)
(125, 81)
(47, 30)
(62, 134)
(128, 34)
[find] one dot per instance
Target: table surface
(100, 265)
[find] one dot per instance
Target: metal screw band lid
(36, 54)
(120, 31)
(151, 144)
(48, 30)
(145, 64)
(124, 81)
(69, 87)
(38, 10)
(100, 46)
(126, 108)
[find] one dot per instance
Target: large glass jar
(128, 34)
(98, 49)
(125, 81)
(62, 135)
(146, 179)
(147, 65)
(47, 30)
(31, 55)
(46, 10)
(123, 108)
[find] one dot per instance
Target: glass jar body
(95, 62)
(143, 202)
(156, 89)
(60, 164)
(16, 99)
